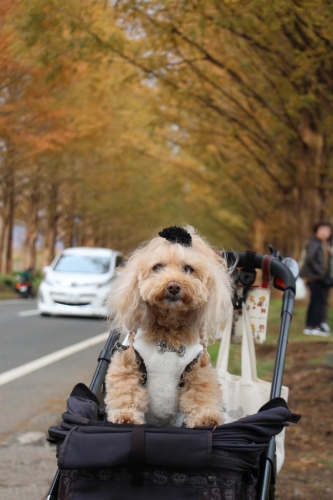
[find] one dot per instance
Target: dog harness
(163, 374)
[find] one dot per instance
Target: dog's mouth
(172, 299)
(173, 295)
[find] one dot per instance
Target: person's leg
(309, 311)
(326, 297)
(314, 314)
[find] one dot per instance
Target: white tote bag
(244, 395)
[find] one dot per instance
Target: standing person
(318, 275)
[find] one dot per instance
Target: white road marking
(33, 312)
(10, 302)
(22, 370)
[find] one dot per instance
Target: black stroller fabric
(103, 461)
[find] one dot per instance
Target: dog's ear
(221, 260)
(219, 307)
(125, 304)
(218, 310)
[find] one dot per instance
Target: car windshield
(88, 264)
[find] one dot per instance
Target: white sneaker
(307, 330)
(325, 327)
(317, 331)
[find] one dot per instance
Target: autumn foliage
(140, 114)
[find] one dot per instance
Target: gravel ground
(28, 461)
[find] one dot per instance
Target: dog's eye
(188, 269)
(158, 267)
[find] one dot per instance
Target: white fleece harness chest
(163, 375)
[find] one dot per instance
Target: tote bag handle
(249, 363)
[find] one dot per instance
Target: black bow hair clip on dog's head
(177, 234)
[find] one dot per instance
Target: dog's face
(174, 277)
(168, 279)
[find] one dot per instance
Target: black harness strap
(188, 369)
(141, 364)
(142, 367)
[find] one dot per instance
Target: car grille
(72, 300)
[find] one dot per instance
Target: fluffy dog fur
(141, 300)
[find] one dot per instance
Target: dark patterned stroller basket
(98, 460)
(159, 484)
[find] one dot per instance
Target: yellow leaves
(202, 123)
(240, 78)
(231, 219)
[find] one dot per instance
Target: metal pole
(286, 315)
(270, 456)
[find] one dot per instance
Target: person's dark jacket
(314, 266)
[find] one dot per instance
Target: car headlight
(108, 282)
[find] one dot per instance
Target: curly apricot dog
(171, 298)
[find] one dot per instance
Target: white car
(78, 282)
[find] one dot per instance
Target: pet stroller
(98, 460)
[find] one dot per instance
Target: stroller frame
(283, 280)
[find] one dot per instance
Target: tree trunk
(89, 236)
(8, 203)
(286, 245)
(52, 223)
(310, 202)
(29, 247)
(259, 236)
(67, 234)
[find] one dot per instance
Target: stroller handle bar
(277, 268)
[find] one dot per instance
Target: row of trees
(79, 135)
(141, 114)
(256, 78)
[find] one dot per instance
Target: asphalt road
(33, 402)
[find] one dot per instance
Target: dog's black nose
(173, 287)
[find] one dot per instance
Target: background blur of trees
(137, 114)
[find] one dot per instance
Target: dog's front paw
(203, 418)
(126, 416)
